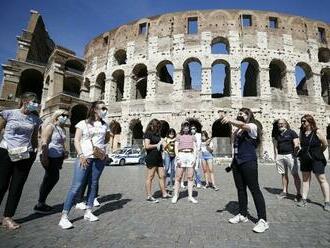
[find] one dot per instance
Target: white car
(127, 155)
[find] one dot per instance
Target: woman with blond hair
(313, 144)
(53, 154)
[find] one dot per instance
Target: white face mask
(62, 119)
(32, 106)
(103, 114)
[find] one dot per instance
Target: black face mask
(240, 118)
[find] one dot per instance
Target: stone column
(152, 85)
(177, 84)
(235, 81)
(125, 135)
(291, 84)
(206, 92)
(264, 84)
(112, 87)
(316, 88)
(58, 80)
(129, 87)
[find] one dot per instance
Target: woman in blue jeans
(92, 132)
(169, 155)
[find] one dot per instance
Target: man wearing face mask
(53, 153)
(17, 152)
(286, 142)
(245, 167)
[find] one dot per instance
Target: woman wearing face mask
(313, 144)
(169, 155)
(245, 167)
(17, 152)
(53, 153)
(154, 144)
(185, 148)
(90, 140)
(197, 173)
(286, 142)
(207, 161)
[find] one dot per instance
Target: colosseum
(178, 66)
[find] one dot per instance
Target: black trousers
(246, 175)
(13, 176)
(87, 181)
(51, 177)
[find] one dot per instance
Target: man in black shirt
(286, 141)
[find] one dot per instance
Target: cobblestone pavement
(127, 220)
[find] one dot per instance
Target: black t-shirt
(285, 141)
(154, 157)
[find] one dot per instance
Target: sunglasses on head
(303, 121)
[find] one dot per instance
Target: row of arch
(221, 78)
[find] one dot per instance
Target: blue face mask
(32, 106)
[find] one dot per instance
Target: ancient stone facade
(129, 68)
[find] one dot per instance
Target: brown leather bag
(97, 152)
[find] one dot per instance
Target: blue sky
(73, 23)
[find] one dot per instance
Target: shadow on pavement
(182, 194)
(232, 207)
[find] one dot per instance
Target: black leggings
(51, 177)
(13, 175)
(246, 175)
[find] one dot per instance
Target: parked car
(127, 155)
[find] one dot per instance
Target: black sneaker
(43, 209)
(298, 198)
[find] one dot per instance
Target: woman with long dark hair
(17, 152)
(186, 150)
(169, 155)
(313, 144)
(245, 166)
(53, 154)
(154, 144)
(90, 141)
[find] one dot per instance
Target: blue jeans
(197, 171)
(93, 171)
(169, 163)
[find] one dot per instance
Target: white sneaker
(261, 226)
(192, 199)
(182, 186)
(96, 203)
(90, 216)
(174, 199)
(65, 223)
(81, 206)
(237, 219)
(199, 185)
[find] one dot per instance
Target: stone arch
(165, 71)
(116, 131)
(136, 129)
(100, 82)
(325, 85)
(71, 86)
(216, 13)
(87, 84)
(164, 128)
(119, 78)
(250, 77)
(140, 75)
(78, 113)
(277, 74)
(324, 54)
(30, 80)
(120, 57)
(220, 45)
(221, 72)
(192, 74)
(74, 66)
(196, 123)
(221, 134)
(304, 86)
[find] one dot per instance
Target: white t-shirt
(198, 137)
(203, 146)
(97, 132)
(252, 132)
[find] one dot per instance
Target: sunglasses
(65, 115)
(104, 108)
(303, 121)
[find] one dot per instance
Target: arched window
(136, 129)
(165, 71)
(100, 82)
(277, 74)
(192, 72)
(220, 45)
(324, 55)
(220, 79)
(119, 78)
(74, 66)
(304, 78)
(249, 77)
(325, 85)
(120, 57)
(71, 86)
(221, 134)
(140, 75)
(30, 80)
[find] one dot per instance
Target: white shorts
(185, 159)
(285, 162)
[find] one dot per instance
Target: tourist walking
(245, 167)
(313, 144)
(17, 152)
(53, 150)
(286, 142)
(207, 161)
(90, 141)
(185, 148)
(154, 145)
